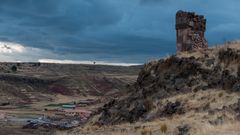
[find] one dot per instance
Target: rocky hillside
(187, 73)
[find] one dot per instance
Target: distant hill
(30, 82)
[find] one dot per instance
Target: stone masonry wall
(190, 31)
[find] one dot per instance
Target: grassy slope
(198, 120)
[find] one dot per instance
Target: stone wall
(190, 31)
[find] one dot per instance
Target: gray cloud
(110, 29)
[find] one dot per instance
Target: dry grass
(163, 128)
(210, 51)
(146, 131)
(225, 129)
(198, 121)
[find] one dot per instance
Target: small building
(68, 106)
(78, 113)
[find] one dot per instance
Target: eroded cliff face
(207, 69)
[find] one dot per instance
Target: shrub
(14, 68)
(38, 64)
(148, 105)
(163, 128)
(220, 94)
(146, 131)
(238, 73)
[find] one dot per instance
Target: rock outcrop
(211, 69)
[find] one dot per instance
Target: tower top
(190, 20)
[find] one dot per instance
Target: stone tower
(190, 31)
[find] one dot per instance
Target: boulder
(183, 129)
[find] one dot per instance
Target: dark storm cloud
(59, 14)
(151, 1)
(110, 29)
(35, 22)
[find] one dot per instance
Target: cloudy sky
(117, 31)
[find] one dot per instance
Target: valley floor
(38, 92)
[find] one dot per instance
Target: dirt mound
(217, 68)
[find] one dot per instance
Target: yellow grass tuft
(163, 128)
(146, 131)
(220, 94)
